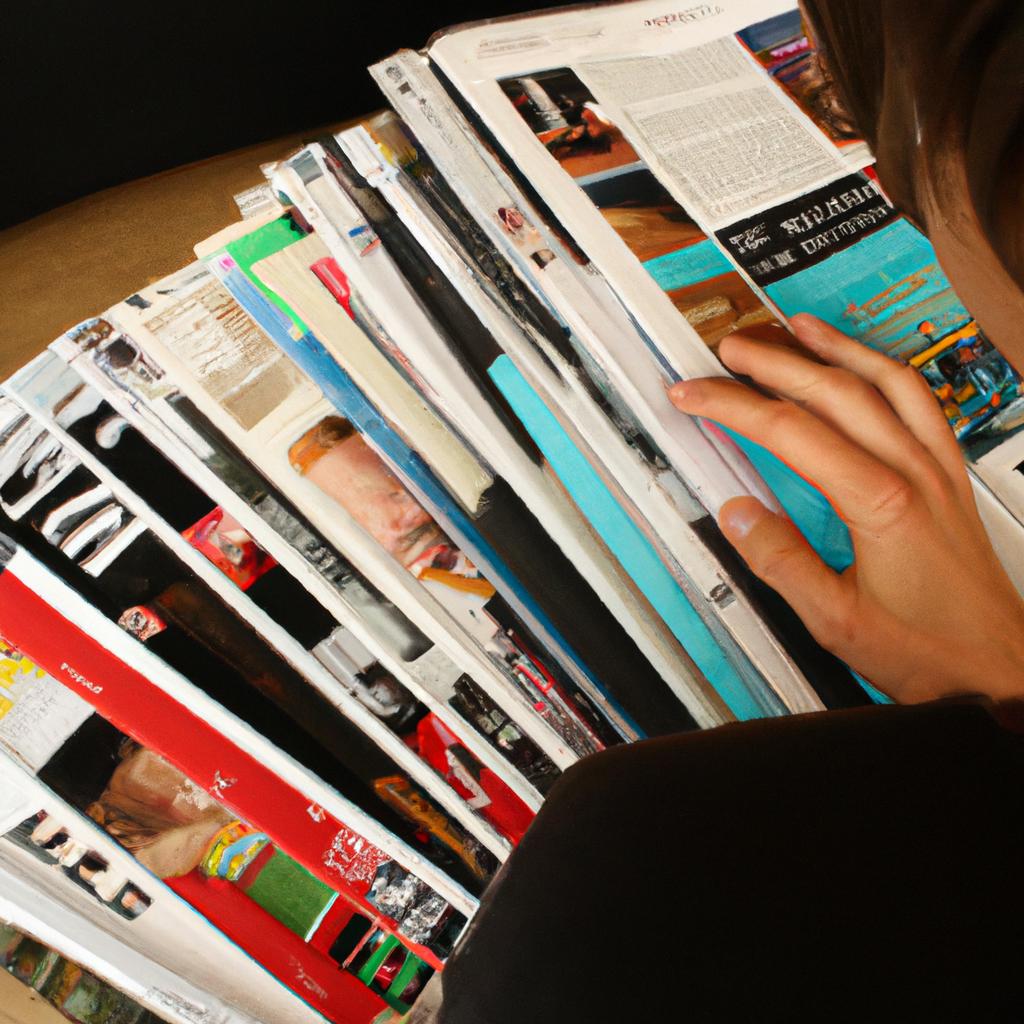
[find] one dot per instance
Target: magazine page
(449, 247)
(416, 340)
(366, 659)
(704, 149)
(1004, 530)
(1001, 468)
(621, 201)
(282, 651)
(71, 885)
(276, 445)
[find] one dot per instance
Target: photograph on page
(673, 249)
(845, 255)
(236, 875)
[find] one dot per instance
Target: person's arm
(927, 610)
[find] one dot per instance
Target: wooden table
(73, 262)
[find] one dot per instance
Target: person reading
(857, 865)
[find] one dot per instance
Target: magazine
(70, 885)
(249, 638)
(701, 164)
(350, 854)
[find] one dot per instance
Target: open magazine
(323, 557)
(700, 162)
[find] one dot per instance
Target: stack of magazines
(325, 556)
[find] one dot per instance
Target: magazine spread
(698, 162)
(323, 557)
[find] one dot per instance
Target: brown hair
(927, 80)
(318, 441)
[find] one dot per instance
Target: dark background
(97, 93)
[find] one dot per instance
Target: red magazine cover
(383, 912)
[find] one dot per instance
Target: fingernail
(739, 516)
(810, 330)
(683, 393)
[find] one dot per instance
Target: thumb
(779, 555)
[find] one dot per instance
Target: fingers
(836, 395)
(779, 555)
(866, 492)
(902, 386)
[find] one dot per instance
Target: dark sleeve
(857, 865)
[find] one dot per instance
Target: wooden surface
(20, 1005)
(75, 261)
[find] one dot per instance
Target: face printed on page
(355, 476)
(158, 814)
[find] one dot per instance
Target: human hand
(927, 610)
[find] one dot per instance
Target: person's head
(334, 457)
(157, 813)
(937, 89)
(133, 900)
